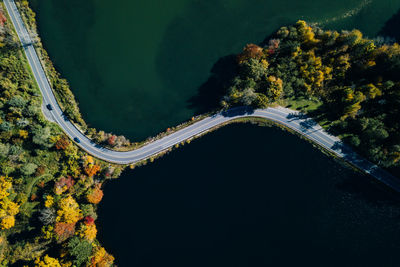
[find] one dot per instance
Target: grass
(302, 104)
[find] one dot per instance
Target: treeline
(355, 79)
(49, 188)
(62, 90)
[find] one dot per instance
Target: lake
(249, 196)
(243, 195)
(139, 67)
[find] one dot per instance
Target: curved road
(289, 118)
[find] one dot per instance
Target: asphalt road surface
(289, 118)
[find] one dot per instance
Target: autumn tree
(101, 258)
(64, 231)
(63, 184)
(91, 169)
(47, 261)
(250, 51)
(8, 208)
(95, 194)
(62, 142)
(88, 231)
(69, 211)
(111, 140)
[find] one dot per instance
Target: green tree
(28, 169)
(41, 136)
(80, 249)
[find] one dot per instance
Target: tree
(8, 208)
(41, 136)
(111, 140)
(88, 231)
(7, 222)
(62, 142)
(95, 195)
(80, 249)
(28, 169)
(4, 149)
(92, 169)
(101, 258)
(47, 262)
(40, 170)
(69, 211)
(64, 231)
(17, 101)
(23, 134)
(250, 51)
(63, 184)
(47, 216)
(5, 126)
(88, 211)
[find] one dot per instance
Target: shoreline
(153, 149)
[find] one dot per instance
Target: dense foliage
(48, 187)
(355, 82)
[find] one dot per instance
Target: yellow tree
(8, 208)
(47, 262)
(101, 258)
(69, 211)
(88, 231)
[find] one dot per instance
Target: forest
(350, 84)
(49, 188)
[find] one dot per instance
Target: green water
(138, 67)
(241, 196)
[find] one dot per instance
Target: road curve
(291, 119)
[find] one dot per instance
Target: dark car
(76, 139)
(49, 107)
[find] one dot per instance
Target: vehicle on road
(76, 139)
(49, 107)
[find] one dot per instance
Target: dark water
(138, 67)
(249, 196)
(241, 196)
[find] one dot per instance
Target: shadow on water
(391, 27)
(222, 73)
(211, 92)
(202, 51)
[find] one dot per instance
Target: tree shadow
(391, 27)
(366, 188)
(211, 92)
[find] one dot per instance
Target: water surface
(241, 196)
(135, 66)
(249, 196)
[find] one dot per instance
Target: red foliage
(273, 45)
(69, 182)
(62, 143)
(250, 51)
(2, 19)
(111, 140)
(89, 220)
(64, 230)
